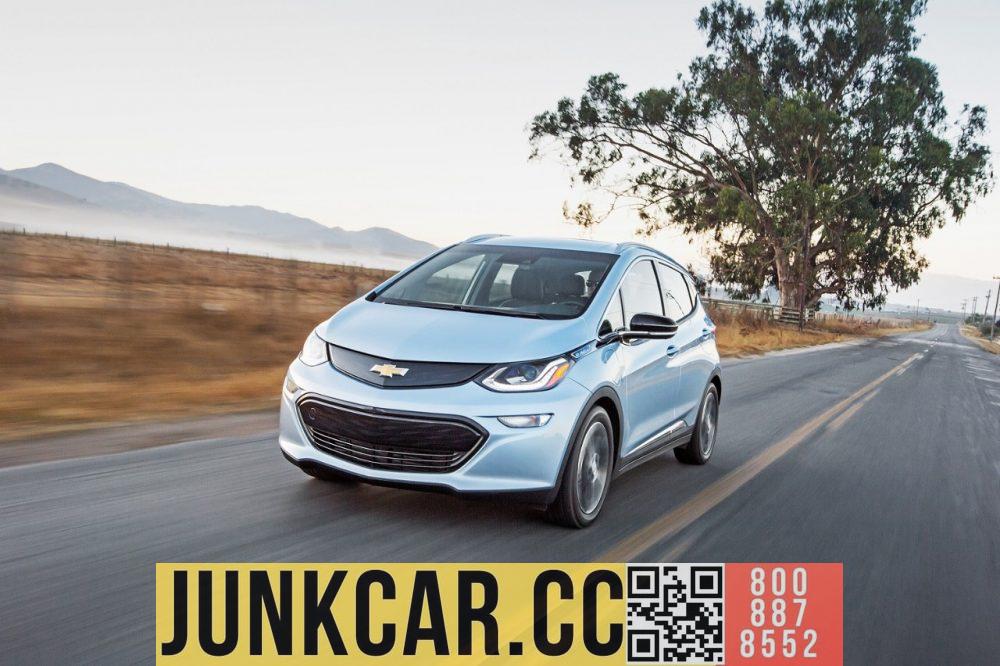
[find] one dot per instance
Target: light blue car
(541, 368)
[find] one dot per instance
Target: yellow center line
(671, 523)
(838, 423)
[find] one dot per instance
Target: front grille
(388, 440)
(416, 374)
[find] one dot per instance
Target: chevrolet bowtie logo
(389, 370)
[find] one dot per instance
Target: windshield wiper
(458, 307)
(502, 312)
(422, 304)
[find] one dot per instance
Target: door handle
(671, 351)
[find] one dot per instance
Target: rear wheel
(699, 449)
(585, 481)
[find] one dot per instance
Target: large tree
(810, 145)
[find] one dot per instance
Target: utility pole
(975, 300)
(993, 322)
(986, 309)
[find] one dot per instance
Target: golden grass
(745, 333)
(95, 332)
(973, 333)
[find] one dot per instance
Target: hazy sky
(409, 115)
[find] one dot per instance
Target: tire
(702, 444)
(327, 474)
(587, 476)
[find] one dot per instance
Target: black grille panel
(418, 374)
(398, 441)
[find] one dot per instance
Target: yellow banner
(414, 613)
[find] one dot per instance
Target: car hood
(407, 333)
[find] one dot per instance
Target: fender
(716, 374)
(607, 391)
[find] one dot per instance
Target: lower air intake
(389, 440)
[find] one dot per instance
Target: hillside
(51, 198)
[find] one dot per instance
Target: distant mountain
(52, 198)
(29, 191)
(118, 196)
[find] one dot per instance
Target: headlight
(314, 350)
(529, 376)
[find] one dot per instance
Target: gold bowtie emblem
(389, 370)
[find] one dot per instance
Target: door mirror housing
(644, 326)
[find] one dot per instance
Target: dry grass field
(97, 332)
(974, 334)
(745, 333)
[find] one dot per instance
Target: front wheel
(585, 480)
(699, 449)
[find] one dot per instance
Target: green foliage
(700, 283)
(810, 145)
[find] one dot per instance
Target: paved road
(883, 455)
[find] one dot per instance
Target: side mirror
(650, 326)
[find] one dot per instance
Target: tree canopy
(810, 145)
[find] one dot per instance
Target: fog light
(290, 385)
(525, 420)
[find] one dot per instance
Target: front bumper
(522, 461)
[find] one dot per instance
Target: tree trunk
(788, 282)
(788, 291)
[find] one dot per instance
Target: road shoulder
(969, 333)
(135, 436)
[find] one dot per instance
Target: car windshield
(531, 282)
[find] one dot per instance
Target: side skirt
(654, 449)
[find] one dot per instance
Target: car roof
(581, 244)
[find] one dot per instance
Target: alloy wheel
(592, 467)
(709, 423)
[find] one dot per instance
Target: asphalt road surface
(883, 455)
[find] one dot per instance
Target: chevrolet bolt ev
(538, 368)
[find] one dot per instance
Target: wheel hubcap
(709, 421)
(592, 467)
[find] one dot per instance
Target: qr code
(675, 614)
